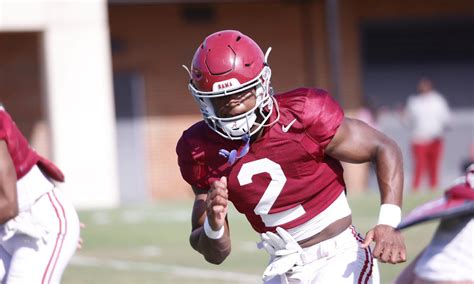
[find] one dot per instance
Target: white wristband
(390, 214)
(210, 233)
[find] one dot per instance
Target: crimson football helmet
(226, 63)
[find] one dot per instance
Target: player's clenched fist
(389, 244)
(216, 203)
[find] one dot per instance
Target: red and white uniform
(449, 257)
(285, 180)
(292, 163)
(36, 246)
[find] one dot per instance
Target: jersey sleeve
(322, 117)
(192, 168)
(3, 131)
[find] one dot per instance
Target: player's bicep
(354, 142)
(199, 208)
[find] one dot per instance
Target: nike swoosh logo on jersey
(286, 128)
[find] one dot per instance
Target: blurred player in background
(39, 227)
(428, 116)
(449, 257)
(276, 158)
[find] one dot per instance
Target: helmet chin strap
(233, 155)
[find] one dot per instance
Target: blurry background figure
(449, 257)
(428, 116)
(356, 176)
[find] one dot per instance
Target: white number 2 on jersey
(272, 192)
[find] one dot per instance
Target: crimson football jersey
(285, 179)
(23, 156)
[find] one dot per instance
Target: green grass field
(149, 244)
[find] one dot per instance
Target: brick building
(100, 89)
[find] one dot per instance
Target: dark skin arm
(356, 142)
(8, 194)
(213, 204)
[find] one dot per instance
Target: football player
(449, 257)
(277, 159)
(39, 227)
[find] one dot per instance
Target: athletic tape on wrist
(390, 214)
(210, 233)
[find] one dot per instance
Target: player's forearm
(8, 194)
(8, 209)
(214, 251)
(389, 168)
(8, 198)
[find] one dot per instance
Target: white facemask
(239, 127)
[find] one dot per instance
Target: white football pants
(27, 260)
(336, 260)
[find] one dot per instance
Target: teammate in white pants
(39, 227)
(449, 257)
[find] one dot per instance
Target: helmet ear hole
(238, 38)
